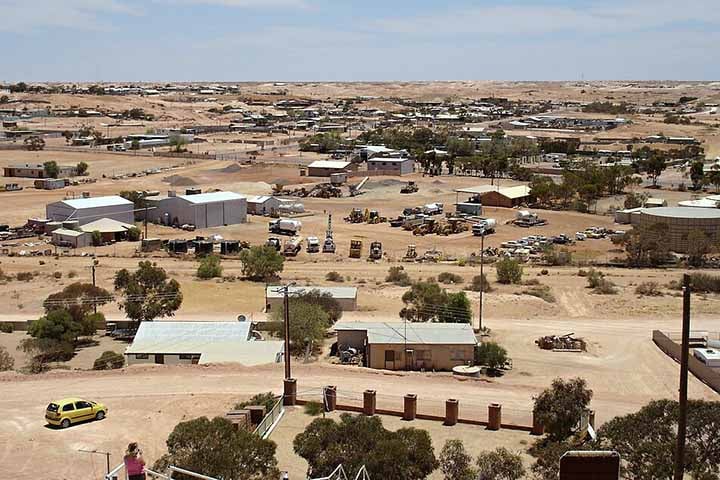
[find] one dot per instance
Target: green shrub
(57, 275)
(648, 289)
(509, 271)
(704, 283)
(541, 291)
(109, 360)
(491, 355)
(448, 277)
(133, 234)
(267, 400)
(7, 362)
(334, 277)
(209, 267)
(555, 257)
(531, 282)
(479, 282)
(25, 276)
(6, 327)
(398, 276)
(72, 274)
(600, 285)
(313, 408)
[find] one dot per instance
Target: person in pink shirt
(134, 462)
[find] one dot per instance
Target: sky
(363, 40)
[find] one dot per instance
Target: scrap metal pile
(560, 343)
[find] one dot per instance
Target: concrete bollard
(537, 427)
(451, 412)
(330, 398)
(494, 416)
(289, 391)
(410, 404)
(369, 402)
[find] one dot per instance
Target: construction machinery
(373, 217)
(410, 254)
(292, 247)
(376, 251)
(329, 244)
(561, 343)
(357, 189)
(274, 242)
(356, 216)
(484, 227)
(313, 245)
(527, 219)
(410, 187)
(356, 248)
(367, 216)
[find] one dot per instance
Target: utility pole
(286, 306)
(684, 353)
(93, 280)
(146, 210)
(482, 281)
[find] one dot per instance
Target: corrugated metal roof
(336, 292)
(328, 164)
(259, 199)
(212, 197)
(249, 353)
(187, 337)
(94, 202)
(68, 233)
(413, 333)
(106, 225)
(518, 191)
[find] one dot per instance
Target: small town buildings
(86, 210)
(345, 296)
(63, 237)
(204, 210)
(174, 343)
(262, 205)
(50, 183)
(37, 170)
(324, 168)
(391, 166)
(409, 345)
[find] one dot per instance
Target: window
(80, 405)
(389, 355)
(142, 356)
(68, 408)
(52, 407)
(423, 355)
(186, 356)
(457, 354)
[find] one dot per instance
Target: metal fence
(271, 418)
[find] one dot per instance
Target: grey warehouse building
(679, 222)
(203, 210)
(86, 210)
(391, 166)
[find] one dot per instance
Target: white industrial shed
(64, 237)
(262, 205)
(345, 296)
(86, 210)
(175, 343)
(203, 210)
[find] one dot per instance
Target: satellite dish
(242, 318)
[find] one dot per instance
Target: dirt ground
(622, 365)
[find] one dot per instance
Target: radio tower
(329, 245)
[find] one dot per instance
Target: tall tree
(148, 293)
(559, 407)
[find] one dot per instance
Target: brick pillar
(537, 427)
(494, 416)
(451, 411)
(289, 391)
(330, 397)
(369, 402)
(410, 404)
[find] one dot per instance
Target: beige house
(177, 343)
(408, 345)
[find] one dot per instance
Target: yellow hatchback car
(65, 412)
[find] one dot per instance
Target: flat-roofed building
(496, 196)
(63, 237)
(345, 296)
(391, 166)
(37, 170)
(262, 204)
(409, 345)
(204, 210)
(324, 168)
(176, 343)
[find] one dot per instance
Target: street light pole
(286, 306)
(482, 281)
(684, 353)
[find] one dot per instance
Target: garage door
(214, 214)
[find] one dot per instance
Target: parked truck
(376, 251)
(313, 245)
(284, 226)
(432, 209)
(292, 247)
(484, 227)
(356, 248)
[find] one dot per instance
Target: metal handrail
(188, 472)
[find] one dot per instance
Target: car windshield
(53, 407)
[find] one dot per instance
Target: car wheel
(65, 423)
(99, 415)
